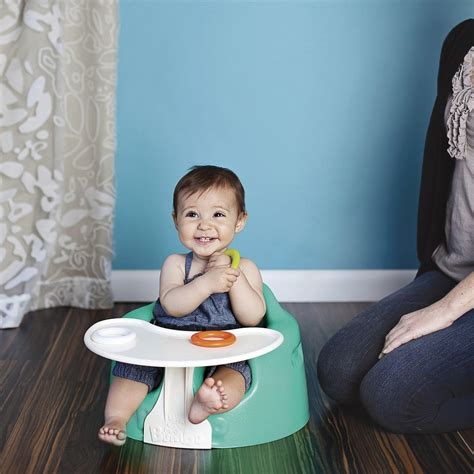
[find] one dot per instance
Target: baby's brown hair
(202, 178)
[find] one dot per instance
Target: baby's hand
(221, 279)
(218, 259)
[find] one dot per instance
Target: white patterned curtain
(57, 145)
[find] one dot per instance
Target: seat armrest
(145, 313)
(279, 319)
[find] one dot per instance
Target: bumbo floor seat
(276, 404)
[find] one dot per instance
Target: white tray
(137, 342)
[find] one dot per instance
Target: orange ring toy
(213, 338)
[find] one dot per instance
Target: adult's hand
(433, 318)
(417, 324)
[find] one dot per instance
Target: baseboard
(287, 285)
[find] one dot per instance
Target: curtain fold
(57, 146)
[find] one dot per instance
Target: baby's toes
(103, 433)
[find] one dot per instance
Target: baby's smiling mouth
(205, 239)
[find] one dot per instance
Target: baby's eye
(219, 214)
(191, 214)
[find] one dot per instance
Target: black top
(438, 166)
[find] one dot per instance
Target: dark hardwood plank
(467, 438)
(15, 377)
(53, 391)
(38, 331)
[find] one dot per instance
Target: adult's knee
(334, 372)
(396, 401)
(352, 351)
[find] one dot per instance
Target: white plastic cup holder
(114, 336)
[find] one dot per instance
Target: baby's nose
(204, 224)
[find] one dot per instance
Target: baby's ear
(241, 221)
(173, 215)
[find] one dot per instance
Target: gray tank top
(455, 257)
(213, 313)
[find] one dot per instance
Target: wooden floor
(52, 395)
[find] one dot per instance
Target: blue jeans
(425, 385)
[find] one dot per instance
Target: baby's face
(207, 222)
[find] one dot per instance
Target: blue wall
(321, 108)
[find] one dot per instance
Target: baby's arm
(246, 295)
(178, 299)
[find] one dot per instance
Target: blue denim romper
(213, 313)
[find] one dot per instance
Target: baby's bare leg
(124, 397)
(218, 394)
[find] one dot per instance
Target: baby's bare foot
(209, 399)
(113, 432)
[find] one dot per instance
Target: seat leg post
(167, 423)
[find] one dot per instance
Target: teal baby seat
(276, 404)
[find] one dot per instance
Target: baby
(198, 291)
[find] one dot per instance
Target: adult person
(409, 359)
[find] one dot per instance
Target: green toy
(235, 256)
